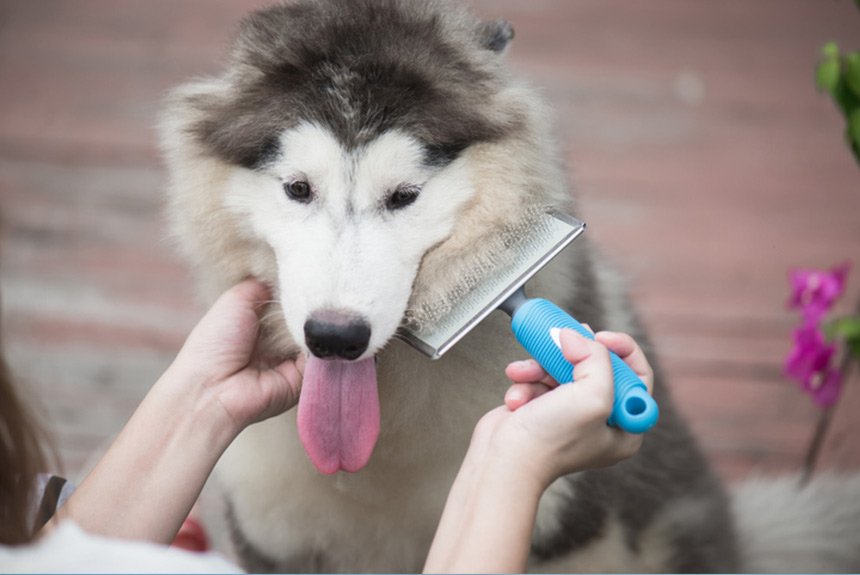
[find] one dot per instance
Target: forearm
(145, 485)
(488, 520)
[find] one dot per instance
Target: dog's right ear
(496, 35)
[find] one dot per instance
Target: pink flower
(809, 363)
(824, 387)
(814, 291)
(810, 360)
(810, 354)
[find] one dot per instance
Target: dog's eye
(299, 191)
(402, 197)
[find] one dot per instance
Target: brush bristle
(499, 251)
(502, 260)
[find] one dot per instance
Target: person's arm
(518, 449)
(489, 516)
(147, 482)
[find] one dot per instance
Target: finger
(249, 294)
(288, 379)
(591, 365)
(251, 290)
(237, 301)
(574, 346)
(529, 371)
(225, 336)
(520, 394)
(629, 351)
(301, 362)
(578, 349)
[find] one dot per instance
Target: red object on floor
(191, 537)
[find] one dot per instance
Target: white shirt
(68, 549)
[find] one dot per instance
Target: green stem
(825, 418)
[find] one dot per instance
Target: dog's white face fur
(354, 243)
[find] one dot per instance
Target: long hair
(22, 456)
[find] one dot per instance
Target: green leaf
(847, 327)
(852, 72)
(845, 99)
(830, 51)
(827, 76)
(854, 348)
(853, 130)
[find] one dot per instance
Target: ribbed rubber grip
(536, 324)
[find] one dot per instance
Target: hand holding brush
(544, 431)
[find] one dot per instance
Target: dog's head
(353, 155)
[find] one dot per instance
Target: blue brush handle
(534, 323)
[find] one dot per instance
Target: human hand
(218, 356)
(542, 432)
(565, 431)
(147, 482)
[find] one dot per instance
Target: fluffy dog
(357, 155)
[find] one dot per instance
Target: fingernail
(575, 333)
(577, 342)
(514, 399)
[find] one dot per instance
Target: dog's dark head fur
(361, 68)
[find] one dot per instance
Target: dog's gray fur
(362, 68)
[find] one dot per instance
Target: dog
(358, 156)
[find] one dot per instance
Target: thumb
(291, 374)
(590, 359)
(227, 332)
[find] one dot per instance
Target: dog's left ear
(496, 35)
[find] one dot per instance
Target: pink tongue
(338, 413)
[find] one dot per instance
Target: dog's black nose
(333, 334)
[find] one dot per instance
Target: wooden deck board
(705, 163)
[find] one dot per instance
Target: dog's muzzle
(334, 334)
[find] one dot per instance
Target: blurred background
(706, 164)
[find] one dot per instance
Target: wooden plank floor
(706, 164)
